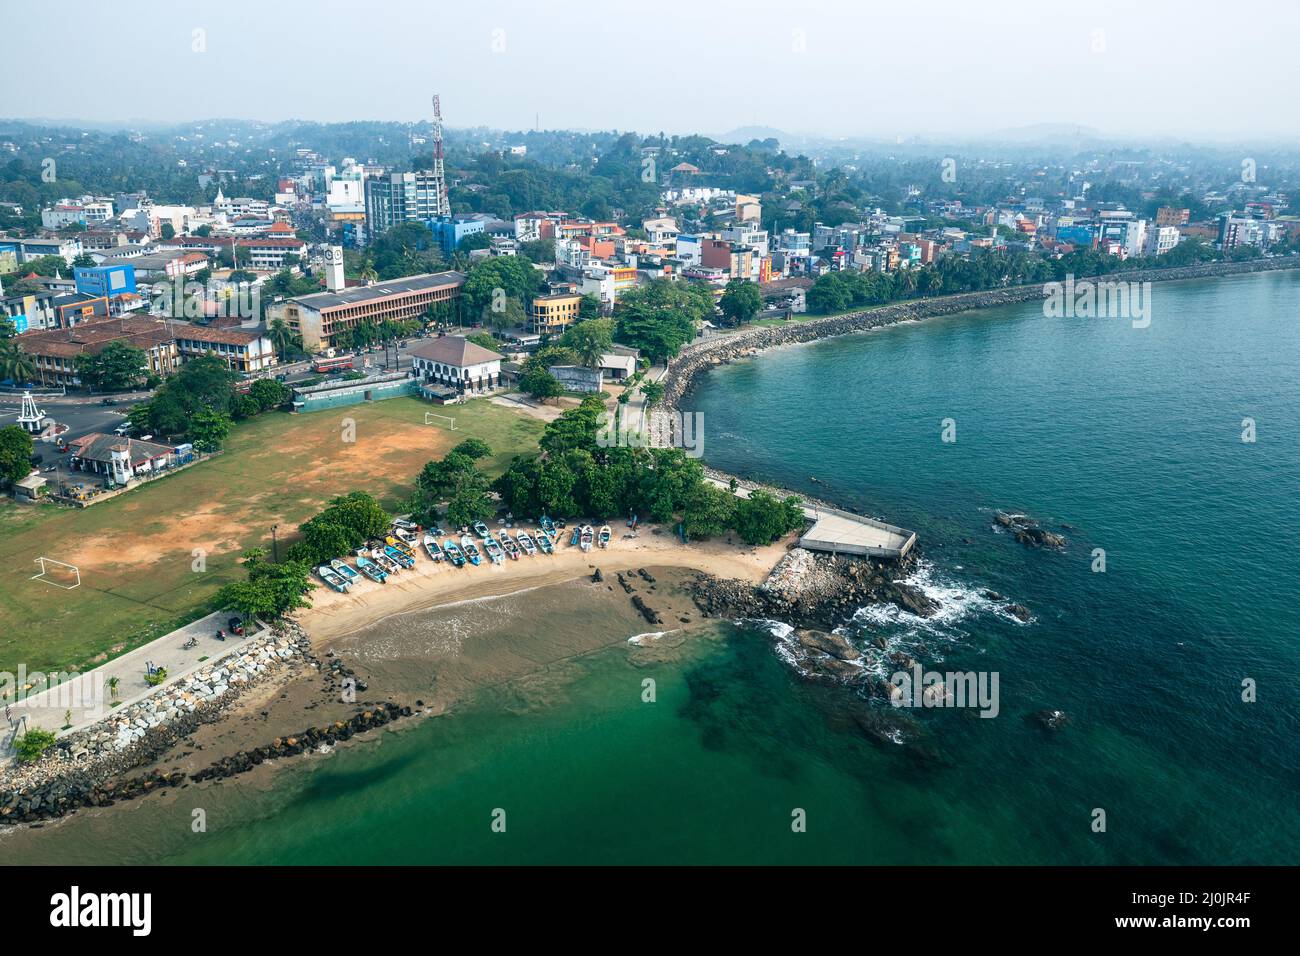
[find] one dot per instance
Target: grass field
(152, 558)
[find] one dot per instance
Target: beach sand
(428, 585)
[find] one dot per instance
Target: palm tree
(15, 364)
(282, 337)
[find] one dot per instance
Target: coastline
(700, 355)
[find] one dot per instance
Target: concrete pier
(842, 532)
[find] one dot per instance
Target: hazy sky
(1204, 69)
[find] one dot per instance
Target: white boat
(604, 536)
(493, 549)
(544, 542)
(509, 547)
(526, 542)
(585, 537)
(432, 548)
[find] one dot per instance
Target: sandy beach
(429, 585)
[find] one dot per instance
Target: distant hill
(743, 134)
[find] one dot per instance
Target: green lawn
(136, 552)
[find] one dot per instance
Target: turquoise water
(1132, 437)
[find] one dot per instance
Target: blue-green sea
(1125, 439)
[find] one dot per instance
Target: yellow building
(552, 314)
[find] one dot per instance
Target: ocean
(1128, 441)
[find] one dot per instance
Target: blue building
(450, 230)
(1075, 235)
(106, 281)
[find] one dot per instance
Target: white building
(456, 362)
(1161, 239)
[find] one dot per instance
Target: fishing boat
(402, 546)
(493, 550)
(332, 578)
(509, 547)
(406, 525)
(471, 550)
(604, 536)
(388, 565)
(544, 542)
(526, 543)
(481, 530)
(371, 570)
(345, 570)
(400, 556)
(548, 526)
(586, 537)
(453, 553)
(405, 536)
(431, 548)
(573, 539)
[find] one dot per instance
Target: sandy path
(430, 585)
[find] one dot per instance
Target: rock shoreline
(91, 767)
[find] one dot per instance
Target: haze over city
(844, 69)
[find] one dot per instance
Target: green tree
(268, 393)
(15, 364)
(659, 317)
(589, 340)
(763, 518)
(469, 506)
(15, 454)
(117, 367)
(740, 301)
(540, 384)
(209, 428)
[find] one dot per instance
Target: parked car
(108, 401)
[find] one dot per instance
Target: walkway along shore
(720, 349)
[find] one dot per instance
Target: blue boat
(371, 570)
(573, 541)
(332, 578)
(548, 526)
(471, 551)
(401, 557)
(453, 553)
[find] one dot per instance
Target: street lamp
(275, 548)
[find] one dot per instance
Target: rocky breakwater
(814, 590)
(89, 767)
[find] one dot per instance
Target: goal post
(58, 573)
(433, 418)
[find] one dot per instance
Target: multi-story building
(1161, 239)
(241, 349)
(1237, 231)
(322, 315)
(404, 197)
(455, 362)
(54, 351)
(29, 311)
(1169, 216)
(552, 314)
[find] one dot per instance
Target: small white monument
(31, 419)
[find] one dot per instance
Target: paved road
(88, 696)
